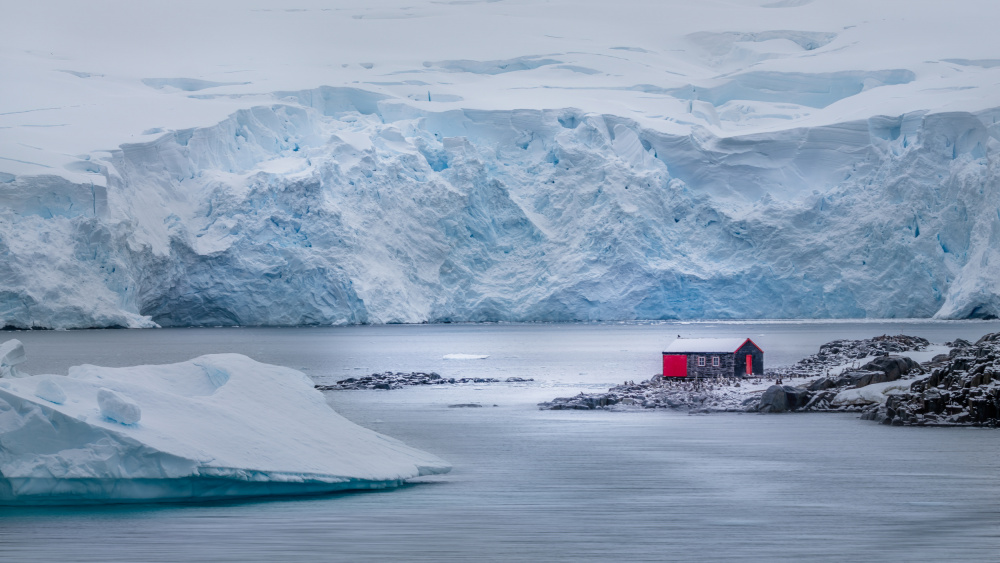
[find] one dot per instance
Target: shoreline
(960, 388)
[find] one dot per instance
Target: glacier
(347, 208)
(217, 426)
(787, 160)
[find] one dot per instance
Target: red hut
(713, 357)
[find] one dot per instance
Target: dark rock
(991, 337)
(466, 406)
(398, 380)
(782, 398)
(961, 391)
(859, 378)
(774, 399)
(880, 370)
(932, 401)
(893, 367)
(821, 384)
(797, 396)
(581, 402)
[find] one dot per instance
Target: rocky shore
(841, 355)
(398, 380)
(964, 390)
(706, 395)
(869, 376)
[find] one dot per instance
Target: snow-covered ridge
(345, 206)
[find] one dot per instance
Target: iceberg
(218, 426)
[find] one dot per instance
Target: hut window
(715, 361)
(701, 361)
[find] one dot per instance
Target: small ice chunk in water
(50, 391)
(117, 407)
(466, 356)
(11, 354)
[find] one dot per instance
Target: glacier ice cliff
(218, 426)
(338, 205)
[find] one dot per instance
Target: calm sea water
(551, 485)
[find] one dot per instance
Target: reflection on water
(552, 485)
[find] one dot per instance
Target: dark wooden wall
(729, 364)
(725, 368)
(740, 358)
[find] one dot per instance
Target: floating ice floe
(466, 356)
(218, 426)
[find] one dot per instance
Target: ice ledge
(55, 492)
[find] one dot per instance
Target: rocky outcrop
(845, 352)
(783, 398)
(963, 391)
(893, 367)
(705, 395)
(582, 402)
(820, 393)
(398, 380)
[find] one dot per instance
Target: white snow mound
(872, 394)
(218, 426)
(117, 408)
(465, 356)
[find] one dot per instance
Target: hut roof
(707, 345)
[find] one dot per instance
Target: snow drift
(218, 426)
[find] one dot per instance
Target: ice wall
(342, 206)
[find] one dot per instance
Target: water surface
(552, 485)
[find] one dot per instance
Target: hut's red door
(675, 366)
(749, 364)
